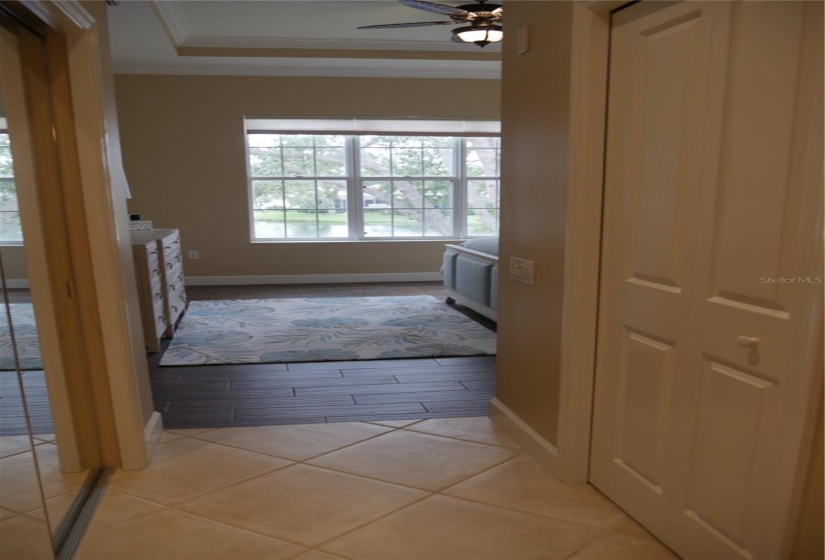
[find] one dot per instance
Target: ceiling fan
(485, 20)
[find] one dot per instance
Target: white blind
(435, 127)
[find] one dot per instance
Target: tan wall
(535, 106)
(183, 149)
(14, 262)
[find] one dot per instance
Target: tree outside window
(303, 186)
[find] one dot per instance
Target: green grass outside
(473, 221)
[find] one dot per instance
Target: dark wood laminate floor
(301, 393)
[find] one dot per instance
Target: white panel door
(712, 251)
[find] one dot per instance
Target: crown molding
(446, 47)
(236, 52)
(172, 20)
(327, 71)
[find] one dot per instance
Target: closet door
(660, 66)
(711, 288)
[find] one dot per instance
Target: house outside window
(351, 179)
(10, 229)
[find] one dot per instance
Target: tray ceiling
(288, 38)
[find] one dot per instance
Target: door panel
(655, 124)
(711, 296)
(748, 389)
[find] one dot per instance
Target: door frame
(130, 432)
(585, 190)
(582, 258)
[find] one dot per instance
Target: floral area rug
(323, 329)
(25, 338)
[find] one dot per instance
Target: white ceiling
(289, 38)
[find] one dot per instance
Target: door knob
(747, 341)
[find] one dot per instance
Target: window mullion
(355, 208)
(283, 184)
(460, 185)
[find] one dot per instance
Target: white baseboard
(539, 448)
(15, 283)
(313, 279)
(152, 433)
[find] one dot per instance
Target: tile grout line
(206, 493)
(407, 485)
(456, 438)
(598, 536)
(535, 513)
(179, 510)
(363, 525)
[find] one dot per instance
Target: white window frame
(353, 129)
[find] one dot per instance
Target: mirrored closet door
(48, 458)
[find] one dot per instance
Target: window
(317, 180)
(10, 231)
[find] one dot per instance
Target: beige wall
(14, 262)
(183, 149)
(535, 106)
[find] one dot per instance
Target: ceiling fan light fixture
(481, 36)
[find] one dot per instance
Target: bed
(470, 273)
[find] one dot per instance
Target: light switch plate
(521, 270)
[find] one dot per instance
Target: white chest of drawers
(159, 270)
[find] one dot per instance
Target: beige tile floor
(24, 531)
(445, 489)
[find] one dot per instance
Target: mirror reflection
(24, 529)
(39, 481)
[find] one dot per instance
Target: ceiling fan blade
(417, 24)
(498, 11)
(438, 8)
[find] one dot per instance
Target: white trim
(359, 125)
(371, 69)
(268, 43)
(313, 279)
(539, 448)
(588, 99)
(75, 13)
(152, 432)
(173, 21)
